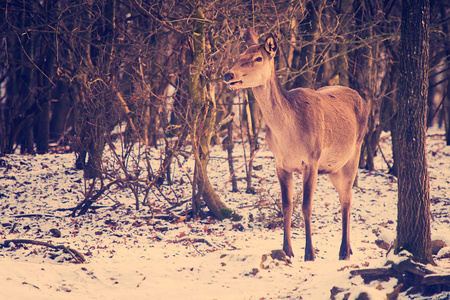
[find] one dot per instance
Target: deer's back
(331, 107)
(328, 126)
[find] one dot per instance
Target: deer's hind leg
(309, 184)
(343, 182)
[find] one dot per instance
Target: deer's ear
(250, 38)
(271, 45)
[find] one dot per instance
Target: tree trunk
(228, 144)
(61, 118)
(363, 77)
(43, 123)
(342, 60)
(23, 97)
(253, 114)
(413, 229)
(46, 62)
(202, 124)
(304, 59)
(43, 117)
(389, 110)
(446, 30)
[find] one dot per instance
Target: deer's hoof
(309, 258)
(344, 254)
(288, 251)
(309, 255)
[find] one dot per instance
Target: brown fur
(309, 131)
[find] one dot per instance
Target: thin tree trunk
(253, 125)
(43, 118)
(43, 133)
(46, 63)
(446, 30)
(390, 108)
(362, 78)
(342, 59)
(228, 144)
(25, 96)
(305, 58)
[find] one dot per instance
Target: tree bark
(446, 30)
(202, 124)
(413, 228)
(342, 60)
(362, 77)
(304, 59)
(253, 114)
(228, 144)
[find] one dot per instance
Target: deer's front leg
(309, 184)
(286, 183)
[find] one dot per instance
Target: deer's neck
(273, 102)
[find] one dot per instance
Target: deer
(308, 131)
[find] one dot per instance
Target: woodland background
(73, 71)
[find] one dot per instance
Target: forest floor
(155, 253)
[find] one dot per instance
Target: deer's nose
(228, 77)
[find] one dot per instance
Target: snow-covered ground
(140, 255)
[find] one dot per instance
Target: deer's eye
(258, 59)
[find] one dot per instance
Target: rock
(159, 236)
(55, 232)
(253, 272)
(382, 244)
(280, 255)
(437, 245)
(238, 226)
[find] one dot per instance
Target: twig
(142, 280)
(30, 284)
(165, 24)
(11, 231)
(180, 203)
(32, 61)
(88, 201)
(239, 167)
(384, 157)
(127, 111)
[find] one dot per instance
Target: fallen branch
(34, 215)
(415, 277)
(195, 240)
(93, 207)
(90, 199)
(77, 256)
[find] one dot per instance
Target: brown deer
(308, 131)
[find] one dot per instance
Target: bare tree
(80, 68)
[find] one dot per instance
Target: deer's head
(254, 67)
